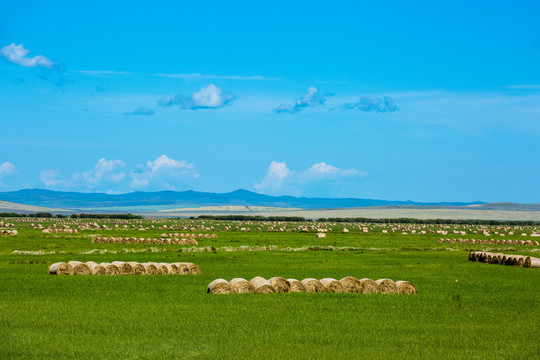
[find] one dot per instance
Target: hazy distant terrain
(243, 202)
(75, 200)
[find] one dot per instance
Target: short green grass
(464, 310)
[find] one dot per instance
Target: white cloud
(19, 55)
(112, 176)
(277, 172)
(50, 178)
(208, 97)
(323, 170)
(6, 168)
(310, 99)
(280, 179)
(103, 171)
(163, 172)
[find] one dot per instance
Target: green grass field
(463, 310)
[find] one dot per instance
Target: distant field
(470, 212)
(6, 206)
(464, 309)
(375, 213)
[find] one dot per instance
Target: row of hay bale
(122, 268)
(8, 232)
(134, 240)
(278, 284)
(488, 241)
(504, 259)
(182, 235)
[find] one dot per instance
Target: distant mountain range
(75, 200)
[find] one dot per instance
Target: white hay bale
(531, 262)
(386, 286)
(219, 286)
(351, 284)
(61, 268)
(149, 269)
(96, 269)
(331, 285)
(296, 286)
(241, 286)
(369, 286)
(125, 268)
(280, 284)
(261, 285)
(405, 287)
(79, 268)
(313, 285)
(136, 268)
(110, 269)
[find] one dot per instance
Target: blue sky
(397, 100)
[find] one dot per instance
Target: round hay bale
(125, 268)
(182, 268)
(331, 285)
(482, 257)
(96, 269)
(193, 269)
(161, 268)
(351, 284)
(169, 268)
(510, 260)
(241, 286)
(79, 268)
(313, 285)
(386, 286)
(262, 286)
(61, 268)
(280, 284)
(531, 262)
(110, 269)
(369, 286)
(219, 286)
(173, 269)
(296, 286)
(405, 287)
(150, 269)
(136, 268)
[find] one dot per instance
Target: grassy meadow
(463, 310)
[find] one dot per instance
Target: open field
(374, 213)
(6, 206)
(463, 309)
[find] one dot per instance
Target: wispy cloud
(104, 171)
(141, 111)
(280, 179)
(50, 178)
(371, 103)
(311, 99)
(102, 73)
(214, 76)
(17, 54)
(208, 97)
(109, 73)
(48, 70)
(104, 174)
(6, 169)
(163, 172)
